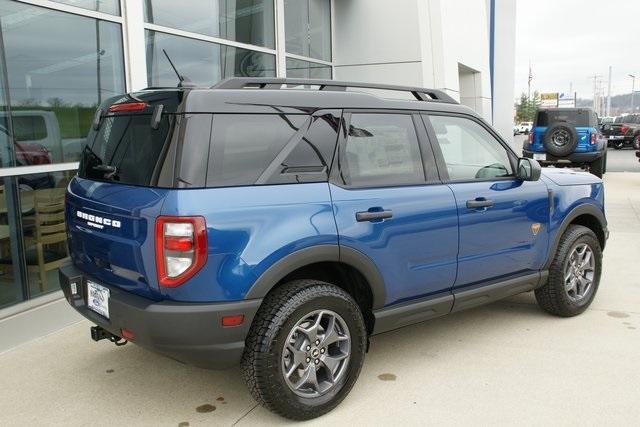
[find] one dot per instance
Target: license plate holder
(98, 298)
(539, 156)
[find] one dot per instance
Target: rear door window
(126, 149)
(382, 150)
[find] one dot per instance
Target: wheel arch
(343, 266)
(586, 215)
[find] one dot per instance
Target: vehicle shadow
(142, 378)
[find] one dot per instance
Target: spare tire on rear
(560, 139)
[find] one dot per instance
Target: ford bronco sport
(567, 137)
(278, 223)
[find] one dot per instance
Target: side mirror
(528, 169)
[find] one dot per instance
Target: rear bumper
(188, 332)
(575, 158)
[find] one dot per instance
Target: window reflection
(56, 86)
(202, 62)
(308, 28)
(246, 21)
(307, 70)
(106, 6)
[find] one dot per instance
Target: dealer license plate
(98, 298)
(539, 156)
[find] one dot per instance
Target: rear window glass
(244, 145)
(126, 149)
(575, 118)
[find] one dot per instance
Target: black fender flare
(568, 219)
(316, 254)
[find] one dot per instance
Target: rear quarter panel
(248, 230)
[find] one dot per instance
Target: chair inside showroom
(50, 250)
(46, 249)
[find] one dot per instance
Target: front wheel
(574, 274)
(636, 142)
(305, 349)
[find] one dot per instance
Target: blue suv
(567, 137)
(279, 223)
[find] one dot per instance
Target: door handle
(373, 215)
(479, 203)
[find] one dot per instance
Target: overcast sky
(569, 41)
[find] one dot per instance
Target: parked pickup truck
(624, 132)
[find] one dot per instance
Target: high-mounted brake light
(128, 107)
(181, 248)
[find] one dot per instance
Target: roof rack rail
(421, 94)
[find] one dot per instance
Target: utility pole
(633, 89)
(608, 110)
(596, 101)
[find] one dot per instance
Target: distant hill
(620, 104)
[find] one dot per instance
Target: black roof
(291, 96)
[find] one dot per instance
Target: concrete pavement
(506, 363)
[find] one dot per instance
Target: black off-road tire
(552, 297)
(560, 150)
(599, 166)
(278, 314)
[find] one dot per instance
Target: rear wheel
(305, 349)
(636, 142)
(574, 274)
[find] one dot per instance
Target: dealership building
(59, 59)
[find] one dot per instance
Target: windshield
(126, 149)
(573, 117)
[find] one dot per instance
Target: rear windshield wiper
(109, 172)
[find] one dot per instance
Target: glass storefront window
(60, 66)
(246, 21)
(43, 228)
(111, 7)
(307, 28)
(298, 69)
(201, 62)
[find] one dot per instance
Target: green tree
(527, 106)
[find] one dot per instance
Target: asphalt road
(623, 160)
(507, 363)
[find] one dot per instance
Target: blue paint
(584, 140)
(432, 245)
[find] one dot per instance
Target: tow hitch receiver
(99, 333)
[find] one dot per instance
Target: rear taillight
(624, 129)
(181, 248)
(128, 107)
(594, 139)
(531, 134)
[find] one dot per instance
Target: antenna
(182, 78)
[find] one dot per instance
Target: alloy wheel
(316, 353)
(579, 272)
